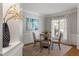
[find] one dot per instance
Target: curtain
(60, 23)
(70, 25)
(71, 28)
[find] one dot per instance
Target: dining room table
(46, 37)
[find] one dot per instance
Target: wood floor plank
(73, 52)
(29, 51)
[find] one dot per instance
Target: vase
(6, 35)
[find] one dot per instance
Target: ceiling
(47, 8)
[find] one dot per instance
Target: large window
(59, 25)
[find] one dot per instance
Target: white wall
(27, 34)
(15, 26)
(47, 23)
(0, 28)
(78, 27)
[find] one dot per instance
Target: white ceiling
(47, 8)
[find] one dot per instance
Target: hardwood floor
(28, 50)
(72, 52)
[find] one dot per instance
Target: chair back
(49, 35)
(42, 37)
(34, 37)
(60, 35)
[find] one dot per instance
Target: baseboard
(28, 44)
(69, 44)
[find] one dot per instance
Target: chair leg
(59, 47)
(41, 48)
(34, 44)
(48, 49)
(52, 45)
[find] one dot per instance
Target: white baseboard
(77, 41)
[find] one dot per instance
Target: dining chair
(49, 35)
(57, 40)
(35, 39)
(44, 43)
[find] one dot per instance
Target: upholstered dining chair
(49, 35)
(35, 39)
(57, 40)
(44, 43)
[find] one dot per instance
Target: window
(32, 24)
(59, 25)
